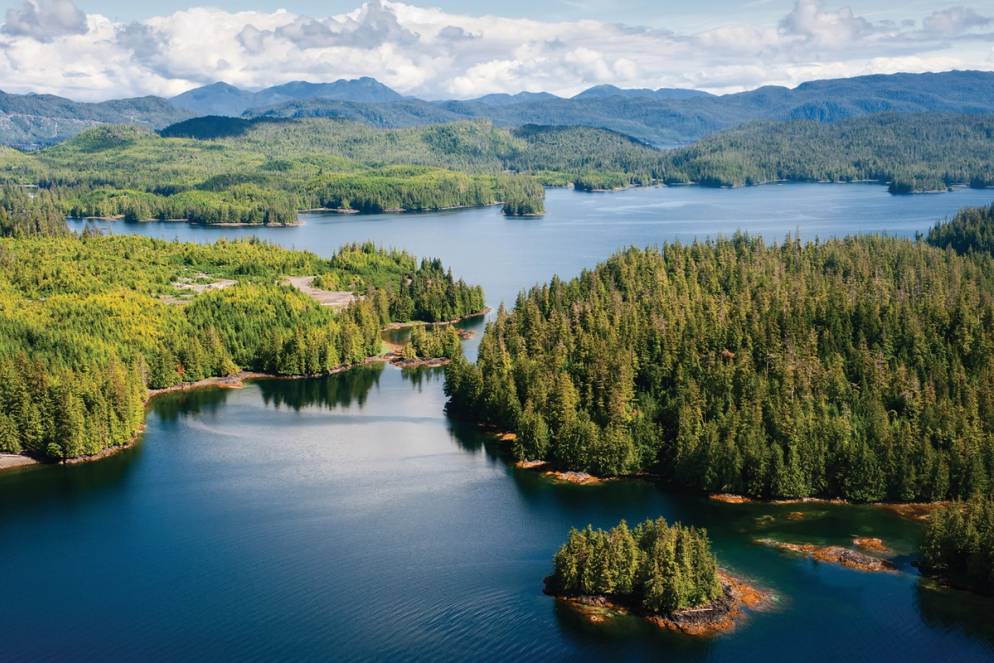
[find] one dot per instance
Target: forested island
(264, 171)
(859, 368)
(665, 573)
(91, 323)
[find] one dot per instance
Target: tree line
(660, 567)
(971, 230)
(860, 368)
(911, 152)
(959, 544)
(88, 324)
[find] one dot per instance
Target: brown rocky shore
(850, 559)
(722, 615)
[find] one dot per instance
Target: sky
(92, 50)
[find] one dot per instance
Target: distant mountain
(666, 117)
(672, 117)
(30, 121)
(504, 99)
(404, 113)
(225, 99)
(605, 91)
(215, 99)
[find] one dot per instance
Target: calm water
(347, 518)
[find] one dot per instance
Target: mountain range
(664, 117)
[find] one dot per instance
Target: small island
(666, 574)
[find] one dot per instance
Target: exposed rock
(851, 559)
(914, 511)
(718, 617)
(872, 544)
(579, 478)
(729, 498)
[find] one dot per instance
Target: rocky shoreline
(846, 557)
(720, 616)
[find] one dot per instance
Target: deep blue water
(347, 518)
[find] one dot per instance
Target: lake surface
(347, 518)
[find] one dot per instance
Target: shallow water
(348, 518)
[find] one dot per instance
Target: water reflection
(330, 392)
(170, 407)
(421, 376)
(956, 611)
(62, 486)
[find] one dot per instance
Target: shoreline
(10, 461)
(411, 324)
(918, 511)
(722, 615)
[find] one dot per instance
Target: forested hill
(230, 170)
(263, 172)
(860, 368)
(35, 120)
(970, 231)
(912, 152)
(88, 323)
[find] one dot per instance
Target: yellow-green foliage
(86, 324)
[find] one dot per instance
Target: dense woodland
(264, 172)
(959, 544)
(659, 567)
(972, 230)
(860, 368)
(87, 324)
(911, 152)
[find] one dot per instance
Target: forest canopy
(88, 324)
(860, 368)
(266, 171)
(659, 567)
(959, 544)
(971, 230)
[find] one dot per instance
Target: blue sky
(97, 49)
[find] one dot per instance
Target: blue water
(347, 518)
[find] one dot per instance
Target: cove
(348, 518)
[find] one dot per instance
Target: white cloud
(954, 21)
(45, 20)
(51, 46)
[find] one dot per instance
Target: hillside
(664, 117)
(31, 121)
(672, 118)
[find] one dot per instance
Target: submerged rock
(851, 559)
(870, 543)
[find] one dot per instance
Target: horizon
(90, 51)
(511, 94)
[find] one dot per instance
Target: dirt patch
(332, 298)
(851, 559)
(796, 515)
